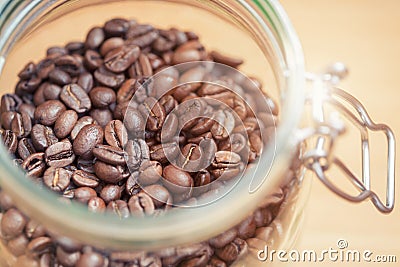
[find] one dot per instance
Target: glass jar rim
(151, 232)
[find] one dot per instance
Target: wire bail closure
(327, 127)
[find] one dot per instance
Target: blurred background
(366, 36)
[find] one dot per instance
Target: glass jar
(258, 31)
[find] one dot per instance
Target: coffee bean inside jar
(135, 121)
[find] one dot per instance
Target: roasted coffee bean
(116, 27)
(247, 228)
(138, 151)
(143, 40)
(225, 122)
(83, 194)
(75, 47)
(59, 77)
(119, 59)
(107, 78)
(56, 51)
(96, 204)
(141, 204)
(38, 97)
(68, 64)
(110, 193)
(34, 165)
(42, 137)
(102, 97)
(163, 152)
(92, 60)
(109, 173)
(120, 208)
(188, 111)
(141, 68)
(160, 195)
(21, 125)
(65, 123)
(25, 148)
(28, 86)
(10, 140)
(236, 143)
(169, 128)
(39, 245)
(224, 238)
(116, 134)
(18, 245)
(138, 29)
(230, 61)
(48, 112)
(177, 180)
(226, 159)
(10, 102)
(44, 67)
(232, 251)
(187, 52)
(94, 38)
(85, 81)
(67, 259)
(201, 258)
(202, 179)
(87, 139)
(191, 158)
(33, 229)
(6, 202)
(127, 90)
(83, 178)
(185, 253)
(59, 154)
(57, 179)
(149, 172)
(101, 116)
(75, 98)
(131, 186)
(111, 44)
(28, 71)
(27, 108)
(134, 122)
(6, 119)
(51, 91)
(82, 122)
(109, 154)
(154, 113)
(86, 165)
(12, 223)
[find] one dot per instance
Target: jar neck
(269, 27)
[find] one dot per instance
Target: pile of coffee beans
(109, 123)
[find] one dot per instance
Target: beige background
(365, 34)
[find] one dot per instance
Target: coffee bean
(6, 202)
(120, 208)
(96, 204)
(28, 86)
(116, 27)
(34, 165)
(86, 179)
(101, 116)
(141, 204)
(141, 68)
(170, 128)
(109, 173)
(224, 238)
(188, 111)
(12, 223)
(87, 139)
(110, 193)
(232, 251)
(85, 81)
(94, 38)
(177, 180)
(48, 112)
(38, 97)
(143, 40)
(56, 51)
(160, 195)
(225, 122)
(230, 61)
(18, 245)
(83, 194)
(59, 154)
(10, 140)
(39, 245)
(109, 154)
(21, 124)
(134, 122)
(163, 152)
(75, 47)
(107, 78)
(33, 230)
(51, 91)
(75, 98)
(59, 77)
(154, 112)
(65, 123)
(187, 52)
(90, 260)
(116, 134)
(119, 59)
(42, 137)
(247, 228)
(202, 179)
(149, 172)
(10, 102)
(191, 158)
(102, 97)
(28, 71)
(67, 259)
(92, 60)
(57, 179)
(86, 165)
(111, 44)
(69, 64)
(82, 122)
(138, 151)
(6, 119)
